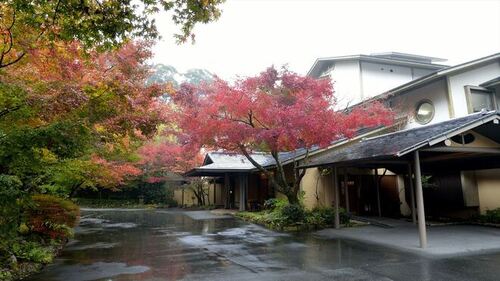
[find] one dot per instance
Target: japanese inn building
(440, 159)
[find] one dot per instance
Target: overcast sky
(251, 35)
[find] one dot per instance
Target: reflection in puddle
(169, 245)
(96, 270)
(98, 245)
(120, 225)
(88, 220)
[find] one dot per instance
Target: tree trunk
(74, 189)
(293, 199)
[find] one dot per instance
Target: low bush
(53, 216)
(294, 217)
(5, 275)
(491, 216)
(11, 205)
(108, 203)
(323, 217)
(292, 214)
(270, 204)
(33, 252)
(275, 204)
(157, 194)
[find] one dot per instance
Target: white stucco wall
(355, 81)
(378, 78)
(434, 92)
(346, 78)
(472, 77)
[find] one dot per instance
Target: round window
(425, 112)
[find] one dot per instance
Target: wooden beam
(379, 162)
(489, 150)
(445, 157)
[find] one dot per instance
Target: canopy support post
(215, 191)
(377, 186)
(420, 201)
(336, 198)
(346, 188)
(226, 191)
(243, 191)
(412, 197)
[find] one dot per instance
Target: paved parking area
(443, 240)
(157, 245)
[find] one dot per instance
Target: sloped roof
(218, 162)
(388, 58)
(222, 162)
(400, 143)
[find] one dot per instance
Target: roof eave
(450, 133)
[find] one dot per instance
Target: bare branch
(12, 62)
(9, 110)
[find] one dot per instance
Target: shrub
(11, 203)
(5, 275)
(53, 216)
(275, 203)
(315, 219)
(157, 193)
(491, 216)
(270, 204)
(291, 214)
(326, 216)
(344, 216)
(23, 229)
(31, 251)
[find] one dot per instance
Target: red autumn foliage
(52, 216)
(273, 112)
(161, 158)
(110, 88)
(112, 174)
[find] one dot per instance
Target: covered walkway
(445, 146)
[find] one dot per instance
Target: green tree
(26, 25)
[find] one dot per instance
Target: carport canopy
(446, 142)
(433, 141)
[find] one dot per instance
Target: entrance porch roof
(392, 147)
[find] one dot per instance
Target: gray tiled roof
(219, 162)
(235, 161)
(399, 143)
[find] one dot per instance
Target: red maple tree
(276, 111)
(161, 159)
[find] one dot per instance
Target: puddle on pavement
(149, 245)
(95, 271)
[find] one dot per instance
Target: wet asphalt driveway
(175, 245)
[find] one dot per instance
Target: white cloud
(252, 35)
